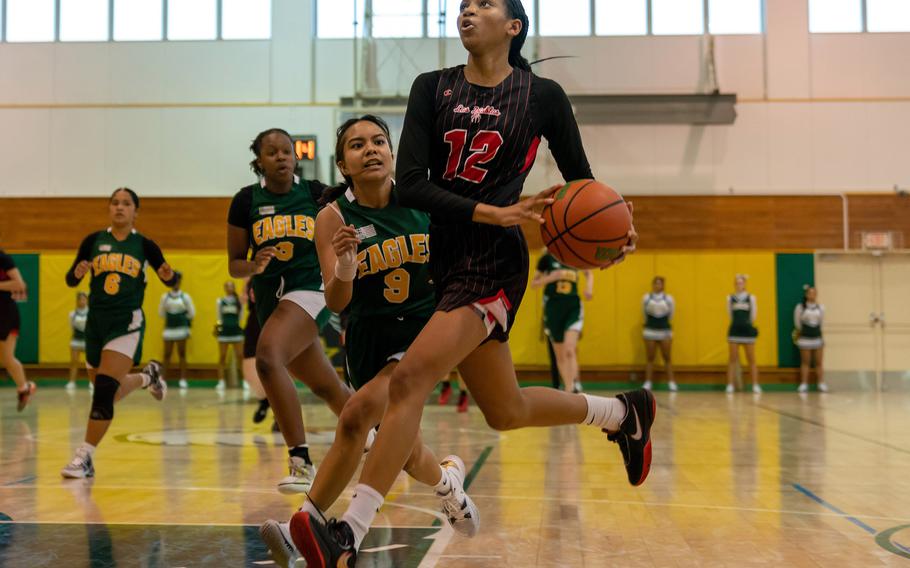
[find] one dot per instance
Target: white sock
(362, 511)
(90, 449)
(444, 486)
(146, 380)
(313, 510)
(604, 412)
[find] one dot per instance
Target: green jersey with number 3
(567, 285)
(287, 222)
(393, 277)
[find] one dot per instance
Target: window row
(435, 18)
(836, 16)
(134, 20)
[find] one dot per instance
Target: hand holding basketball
(588, 225)
(629, 248)
(525, 209)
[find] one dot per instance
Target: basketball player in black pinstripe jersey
(475, 129)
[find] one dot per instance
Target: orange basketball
(587, 225)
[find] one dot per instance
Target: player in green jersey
(373, 255)
(116, 258)
(563, 313)
(275, 219)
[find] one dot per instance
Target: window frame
(534, 14)
(111, 10)
(4, 25)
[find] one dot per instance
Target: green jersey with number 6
(393, 278)
(287, 222)
(118, 270)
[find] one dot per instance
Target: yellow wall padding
(56, 301)
(698, 281)
(204, 275)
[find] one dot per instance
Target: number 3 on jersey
(484, 147)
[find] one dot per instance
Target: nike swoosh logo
(637, 435)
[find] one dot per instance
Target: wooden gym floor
(781, 479)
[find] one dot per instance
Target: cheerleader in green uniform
(227, 329)
(742, 332)
(77, 318)
(658, 307)
(177, 309)
(807, 319)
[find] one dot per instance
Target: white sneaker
(672, 386)
(822, 387)
(756, 388)
(71, 386)
(456, 505)
(803, 387)
(156, 387)
(277, 537)
(81, 466)
(300, 479)
(183, 384)
(730, 388)
(219, 386)
(576, 388)
(647, 385)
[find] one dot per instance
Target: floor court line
(831, 507)
(833, 429)
(882, 539)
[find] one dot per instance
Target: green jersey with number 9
(393, 278)
(287, 222)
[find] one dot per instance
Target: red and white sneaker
(634, 435)
(25, 394)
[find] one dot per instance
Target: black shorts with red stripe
(9, 319)
(484, 266)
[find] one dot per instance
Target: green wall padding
(793, 271)
(27, 346)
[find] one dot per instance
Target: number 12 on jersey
(484, 147)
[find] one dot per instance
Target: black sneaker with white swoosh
(634, 436)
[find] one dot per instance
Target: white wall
(817, 113)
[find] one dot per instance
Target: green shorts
(561, 315)
(372, 343)
(120, 332)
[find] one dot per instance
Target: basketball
(587, 225)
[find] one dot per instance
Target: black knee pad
(103, 398)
